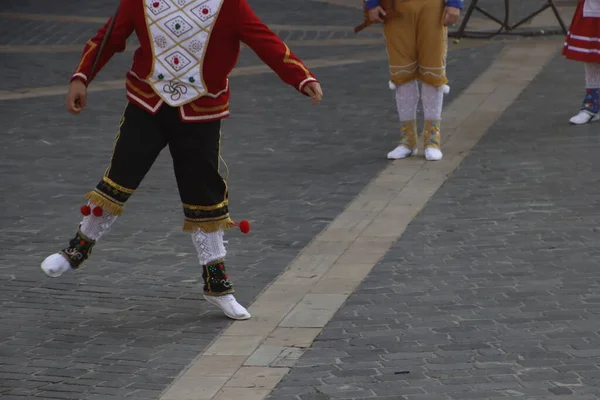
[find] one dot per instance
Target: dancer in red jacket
(178, 93)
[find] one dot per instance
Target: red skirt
(583, 40)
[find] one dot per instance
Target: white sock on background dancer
(407, 100)
(95, 226)
(211, 248)
(91, 226)
(433, 102)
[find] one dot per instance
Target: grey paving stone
(134, 316)
(496, 278)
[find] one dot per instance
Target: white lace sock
(433, 102)
(209, 245)
(407, 100)
(94, 227)
(211, 249)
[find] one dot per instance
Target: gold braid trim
(207, 208)
(116, 186)
(106, 203)
(208, 226)
(288, 60)
(92, 46)
(209, 109)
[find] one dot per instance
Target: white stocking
(210, 246)
(94, 227)
(592, 76)
(433, 101)
(407, 100)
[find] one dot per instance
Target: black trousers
(195, 149)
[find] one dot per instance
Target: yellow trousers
(417, 42)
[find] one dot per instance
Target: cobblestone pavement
(129, 321)
(492, 291)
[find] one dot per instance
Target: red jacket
(150, 79)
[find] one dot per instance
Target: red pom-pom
(244, 226)
(97, 211)
(85, 210)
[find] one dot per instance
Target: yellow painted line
(102, 20)
(101, 86)
(77, 48)
(54, 18)
(35, 49)
(343, 3)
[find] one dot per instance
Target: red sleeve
(272, 50)
(117, 42)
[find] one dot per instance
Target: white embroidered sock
(94, 227)
(209, 245)
(592, 76)
(433, 102)
(407, 100)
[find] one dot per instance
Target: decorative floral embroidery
(177, 61)
(161, 41)
(408, 137)
(157, 6)
(216, 280)
(80, 248)
(196, 46)
(591, 102)
(432, 134)
(178, 26)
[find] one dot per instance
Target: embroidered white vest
(179, 32)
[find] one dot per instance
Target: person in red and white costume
(178, 93)
(583, 44)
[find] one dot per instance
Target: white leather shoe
(55, 265)
(401, 152)
(433, 154)
(230, 306)
(584, 117)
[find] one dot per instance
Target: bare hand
(313, 89)
(377, 14)
(76, 97)
(450, 15)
